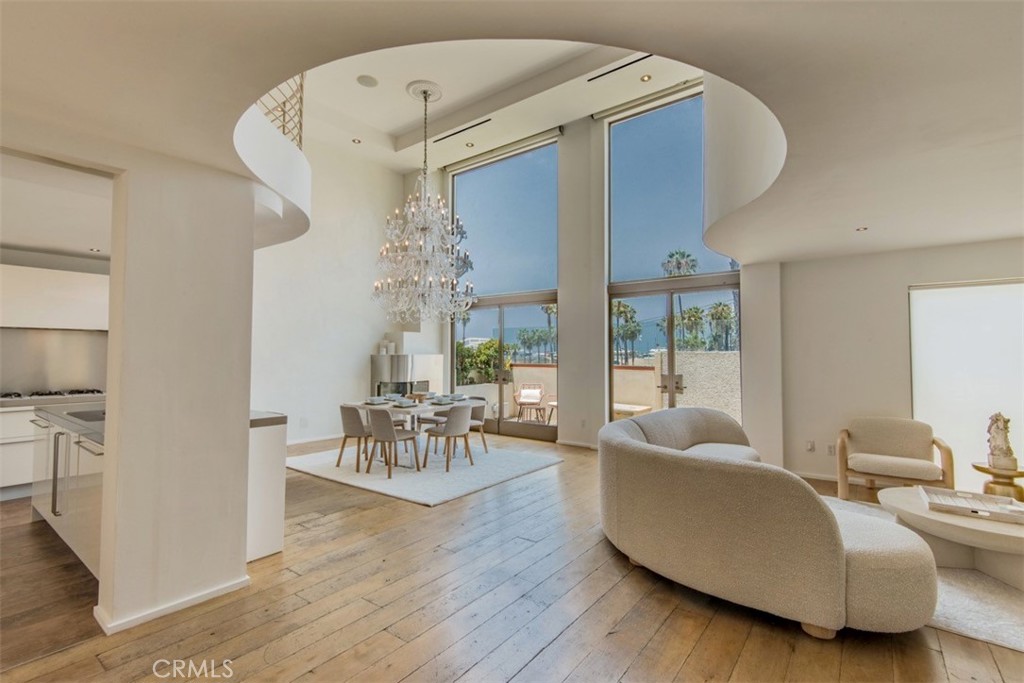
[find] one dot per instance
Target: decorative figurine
(1000, 455)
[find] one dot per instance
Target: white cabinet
(53, 299)
(16, 446)
(68, 487)
(267, 455)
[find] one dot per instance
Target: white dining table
(426, 408)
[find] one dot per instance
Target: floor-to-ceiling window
(506, 346)
(674, 303)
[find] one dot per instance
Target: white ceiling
(50, 208)
(906, 116)
(511, 88)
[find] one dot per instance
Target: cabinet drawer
(16, 424)
(16, 463)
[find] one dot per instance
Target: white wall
(846, 337)
(314, 324)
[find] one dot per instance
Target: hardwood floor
(515, 582)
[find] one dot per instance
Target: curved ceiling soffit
(748, 140)
(282, 168)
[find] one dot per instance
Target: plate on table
(394, 397)
(376, 401)
(458, 397)
(442, 402)
(404, 404)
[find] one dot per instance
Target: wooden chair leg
(483, 439)
(390, 456)
(469, 453)
(843, 486)
(447, 453)
(359, 452)
(373, 454)
(341, 450)
(416, 452)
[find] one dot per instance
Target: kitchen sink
(89, 415)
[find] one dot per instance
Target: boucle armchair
(893, 450)
(753, 533)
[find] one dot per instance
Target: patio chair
(530, 399)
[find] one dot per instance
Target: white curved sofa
(682, 495)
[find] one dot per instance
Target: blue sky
(510, 209)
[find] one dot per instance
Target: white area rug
(432, 486)
(970, 603)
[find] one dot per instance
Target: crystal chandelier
(421, 262)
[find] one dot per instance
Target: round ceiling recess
(417, 88)
(367, 81)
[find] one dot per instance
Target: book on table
(970, 504)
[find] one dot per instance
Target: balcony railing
(283, 107)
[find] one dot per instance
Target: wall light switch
(832, 450)
(810, 446)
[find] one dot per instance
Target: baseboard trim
(111, 627)
(577, 444)
(316, 438)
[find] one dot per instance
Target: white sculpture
(1000, 454)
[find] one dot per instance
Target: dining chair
(384, 433)
(437, 418)
(352, 426)
(457, 425)
(476, 418)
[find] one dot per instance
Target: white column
(174, 490)
(582, 284)
(761, 358)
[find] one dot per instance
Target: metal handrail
(283, 107)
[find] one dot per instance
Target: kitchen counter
(32, 401)
(59, 415)
(263, 418)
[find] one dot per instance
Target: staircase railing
(283, 107)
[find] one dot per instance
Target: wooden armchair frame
(844, 471)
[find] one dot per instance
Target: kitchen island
(68, 463)
(67, 482)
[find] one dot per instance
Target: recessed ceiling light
(862, 228)
(470, 144)
(645, 78)
(95, 251)
(367, 81)
(356, 141)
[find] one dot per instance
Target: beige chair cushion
(891, 436)
(529, 396)
(891, 582)
(889, 466)
(724, 450)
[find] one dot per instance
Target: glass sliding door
(507, 354)
(675, 348)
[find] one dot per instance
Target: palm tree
(551, 311)
(621, 311)
(630, 331)
(679, 262)
(720, 316)
(462, 318)
(692, 319)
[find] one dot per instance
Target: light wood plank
(867, 657)
(1010, 662)
(665, 653)
(815, 660)
(766, 654)
(968, 660)
(716, 653)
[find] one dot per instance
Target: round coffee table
(993, 548)
(1002, 483)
